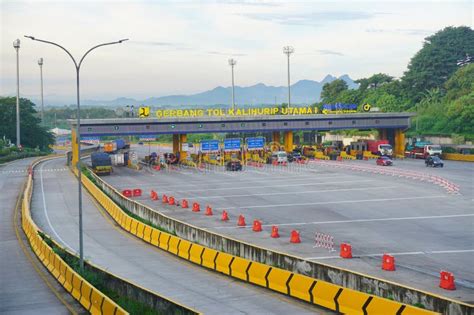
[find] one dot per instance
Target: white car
(280, 157)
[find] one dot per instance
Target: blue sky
(183, 46)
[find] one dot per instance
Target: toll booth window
(306, 123)
(200, 126)
(329, 122)
(116, 127)
(242, 125)
(353, 122)
(285, 124)
(173, 126)
(89, 129)
(377, 121)
(222, 125)
(264, 124)
(147, 127)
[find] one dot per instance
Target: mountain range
(302, 92)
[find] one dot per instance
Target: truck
(423, 149)
(101, 163)
(116, 145)
(376, 147)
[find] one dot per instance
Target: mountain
(302, 92)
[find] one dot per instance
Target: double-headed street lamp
(40, 63)
(232, 63)
(288, 50)
(16, 45)
(78, 68)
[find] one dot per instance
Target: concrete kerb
(317, 270)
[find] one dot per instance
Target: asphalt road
(23, 290)
(105, 244)
(424, 227)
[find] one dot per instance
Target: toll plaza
(391, 127)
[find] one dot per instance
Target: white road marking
(45, 209)
(331, 202)
(358, 221)
(292, 193)
(400, 254)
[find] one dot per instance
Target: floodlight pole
(288, 50)
(40, 63)
(16, 45)
(78, 131)
(232, 63)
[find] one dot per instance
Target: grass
(99, 282)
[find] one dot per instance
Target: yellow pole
(182, 154)
(399, 147)
(276, 136)
(288, 141)
(75, 148)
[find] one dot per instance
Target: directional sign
(91, 140)
(232, 144)
(147, 138)
(255, 143)
(209, 145)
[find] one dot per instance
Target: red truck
(377, 147)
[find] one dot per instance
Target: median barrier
(328, 279)
(458, 157)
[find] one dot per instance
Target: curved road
(23, 289)
(54, 208)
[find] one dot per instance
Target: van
(280, 157)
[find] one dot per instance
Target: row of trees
(438, 85)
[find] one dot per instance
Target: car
(384, 161)
(280, 157)
(140, 143)
(233, 165)
(434, 161)
(294, 156)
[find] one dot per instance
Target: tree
(461, 83)
(331, 90)
(437, 60)
(31, 133)
(374, 81)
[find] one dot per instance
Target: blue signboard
(209, 145)
(255, 143)
(232, 144)
(344, 108)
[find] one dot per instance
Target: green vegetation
(32, 134)
(100, 282)
(58, 116)
(438, 85)
(8, 154)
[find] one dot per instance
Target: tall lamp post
(16, 45)
(232, 63)
(78, 68)
(40, 63)
(288, 50)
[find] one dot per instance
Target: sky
(183, 47)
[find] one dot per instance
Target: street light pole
(78, 130)
(288, 50)
(40, 63)
(232, 63)
(16, 45)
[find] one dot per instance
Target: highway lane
(55, 210)
(424, 227)
(23, 290)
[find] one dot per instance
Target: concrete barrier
(340, 299)
(458, 157)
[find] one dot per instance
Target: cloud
(329, 52)
(255, 3)
(177, 46)
(310, 19)
(415, 32)
(220, 53)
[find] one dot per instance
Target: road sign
(144, 112)
(255, 143)
(90, 140)
(147, 138)
(209, 145)
(231, 144)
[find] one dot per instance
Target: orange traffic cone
(241, 221)
(225, 216)
(275, 232)
(257, 226)
(208, 210)
(171, 201)
(184, 203)
(295, 237)
(154, 195)
(165, 199)
(388, 262)
(346, 250)
(446, 280)
(196, 207)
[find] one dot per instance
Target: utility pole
(40, 63)
(16, 45)
(232, 63)
(288, 50)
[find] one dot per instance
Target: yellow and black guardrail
(318, 292)
(87, 295)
